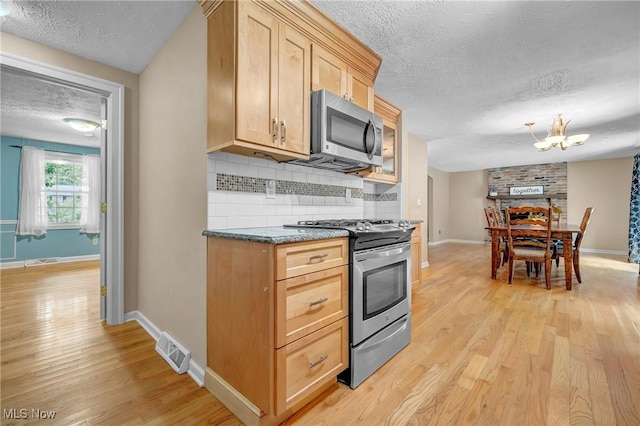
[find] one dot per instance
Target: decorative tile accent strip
(226, 182)
(380, 197)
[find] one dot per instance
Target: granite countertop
(276, 234)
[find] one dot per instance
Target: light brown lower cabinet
(416, 256)
(277, 324)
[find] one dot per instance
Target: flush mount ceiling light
(81, 125)
(556, 136)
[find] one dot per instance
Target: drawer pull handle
(314, 363)
(317, 256)
(317, 302)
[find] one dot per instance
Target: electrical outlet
(347, 195)
(94, 241)
(270, 188)
(419, 202)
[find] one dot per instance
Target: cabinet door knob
(351, 98)
(275, 129)
(283, 131)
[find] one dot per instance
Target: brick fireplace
(552, 177)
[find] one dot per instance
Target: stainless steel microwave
(344, 136)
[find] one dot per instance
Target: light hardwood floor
(482, 352)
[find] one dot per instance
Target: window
(63, 188)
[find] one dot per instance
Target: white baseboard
(597, 251)
(68, 259)
(195, 371)
(9, 265)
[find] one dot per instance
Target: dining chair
(503, 252)
(529, 238)
(586, 218)
(497, 216)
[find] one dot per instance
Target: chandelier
(556, 136)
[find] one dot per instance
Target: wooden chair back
(583, 226)
(497, 216)
(489, 215)
(529, 238)
(529, 227)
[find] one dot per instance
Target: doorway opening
(112, 171)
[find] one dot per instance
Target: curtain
(90, 214)
(32, 214)
(634, 213)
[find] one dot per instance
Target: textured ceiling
(467, 75)
(34, 109)
(123, 34)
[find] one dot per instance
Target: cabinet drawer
(309, 302)
(310, 256)
(308, 363)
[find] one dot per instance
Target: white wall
(172, 197)
(606, 186)
(467, 198)
(439, 224)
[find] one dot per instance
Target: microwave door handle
(372, 125)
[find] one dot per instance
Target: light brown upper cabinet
(259, 72)
(258, 84)
(333, 74)
(390, 115)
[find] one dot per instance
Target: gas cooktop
(357, 226)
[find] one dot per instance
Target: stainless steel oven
(379, 292)
(381, 305)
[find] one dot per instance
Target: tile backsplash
(237, 196)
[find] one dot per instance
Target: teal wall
(57, 242)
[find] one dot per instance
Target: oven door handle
(378, 253)
(373, 344)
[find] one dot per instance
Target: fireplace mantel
(527, 197)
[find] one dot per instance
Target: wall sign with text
(526, 190)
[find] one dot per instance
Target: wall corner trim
(195, 371)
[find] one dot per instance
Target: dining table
(559, 231)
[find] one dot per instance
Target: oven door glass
(383, 288)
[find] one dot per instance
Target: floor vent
(173, 352)
(36, 262)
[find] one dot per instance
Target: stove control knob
(367, 226)
(360, 226)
